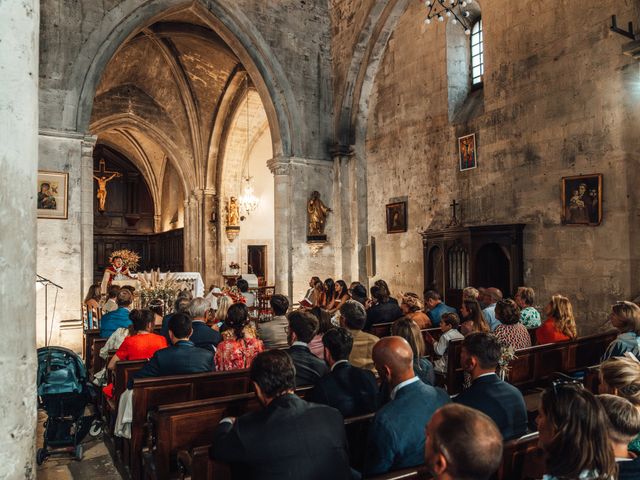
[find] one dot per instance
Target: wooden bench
(149, 393)
(195, 463)
(97, 363)
(119, 376)
(88, 337)
(185, 425)
(521, 459)
(534, 366)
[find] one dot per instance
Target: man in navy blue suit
(203, 336)
(350, 389)
(397, 435)
(502, 402)
(182, 358)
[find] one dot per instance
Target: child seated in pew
(449, 323)
(624, 420)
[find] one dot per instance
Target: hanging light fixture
(248, 201)
(456, 10)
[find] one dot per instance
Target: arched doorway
(493, 268)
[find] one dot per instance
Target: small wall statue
(233, 219)
(317, 212)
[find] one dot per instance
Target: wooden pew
(190, 424)
(149, 393)
(119, 376)
(88, 337)
(521, 459)
(97, 363)
(194, 461)
(534, 366)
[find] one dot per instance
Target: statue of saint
(317, 214)
(233, 213)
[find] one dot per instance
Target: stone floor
(96, 463)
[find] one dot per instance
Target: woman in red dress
(560, 325)
(142, 343)
(239, 347)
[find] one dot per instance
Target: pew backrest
(97, 362)
(88, 337)
(149, 393)
(521, 459)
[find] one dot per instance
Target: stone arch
(230, 23)
(134, 122)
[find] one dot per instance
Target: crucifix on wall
(454, 218)
(103, 176)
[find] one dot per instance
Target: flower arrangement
(234, 294)
(153, 287)
(507, 355)
(130, 259)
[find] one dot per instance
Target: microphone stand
(46, 282)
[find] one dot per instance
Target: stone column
(18, 170)
(210, 268)
(188, 259)
(86, 211)
(280, 168)
(295, 259)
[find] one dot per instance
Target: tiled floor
(96, 463)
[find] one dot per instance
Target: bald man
(396, 437)
(462, 443)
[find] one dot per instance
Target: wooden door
(257, 260)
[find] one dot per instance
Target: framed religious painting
(582, 200)
(467, 152)
(52, 194)
(397, 217)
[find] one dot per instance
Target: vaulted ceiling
(167, 95)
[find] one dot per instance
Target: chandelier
(248, 201)
(456, 10)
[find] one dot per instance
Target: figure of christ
(318, 212)
(102, 189)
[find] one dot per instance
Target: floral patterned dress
(234, 354)
(515, 335)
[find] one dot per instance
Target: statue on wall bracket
(233, 219)
(317, 214)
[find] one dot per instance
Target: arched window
(477, 53)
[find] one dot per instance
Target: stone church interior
(385, 239)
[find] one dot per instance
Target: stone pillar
(280, 168)
(210, 268)
(188, 259)
(86, 211)
(295, 259)
(18, 170)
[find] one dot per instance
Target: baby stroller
(64, 392)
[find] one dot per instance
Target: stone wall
(559, 99)
(18, 177)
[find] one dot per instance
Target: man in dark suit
(202, 336)
(351, 390)
(462, 443)
(183, 357)
(303, 326)
(289, 438)
(181, 305)
(502, 402)
(397, 434)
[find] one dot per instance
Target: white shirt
(397, 388)
(299, 343)
(338, 362)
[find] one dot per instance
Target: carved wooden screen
(458, 268)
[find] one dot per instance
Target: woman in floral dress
(240, 345)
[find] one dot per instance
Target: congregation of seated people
(328, 345)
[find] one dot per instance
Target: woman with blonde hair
(621, 376)
(411, 306)
(408, 329)
(224, 302)
(470, 293)
(560, 325)
(624, 317)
